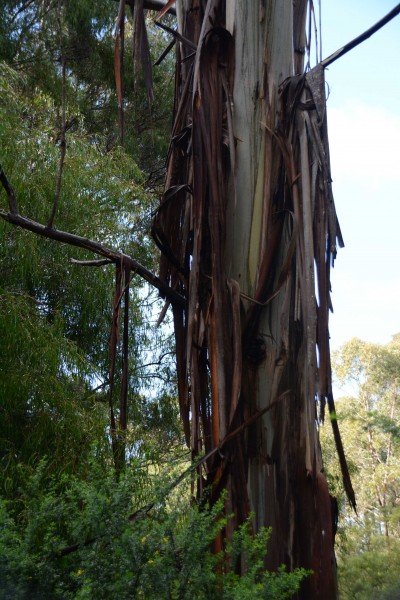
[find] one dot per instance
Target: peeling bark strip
(141, 50)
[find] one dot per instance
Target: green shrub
(79, 539)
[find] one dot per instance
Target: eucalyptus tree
(247, 231)
(371, 422)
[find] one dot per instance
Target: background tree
(369, 543)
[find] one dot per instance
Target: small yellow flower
(143, 540)
(79, 572)
(165, 540)
(150, 561)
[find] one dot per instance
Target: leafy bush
(89, 539)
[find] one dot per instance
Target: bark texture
(248, 232)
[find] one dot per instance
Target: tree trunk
(248, 230)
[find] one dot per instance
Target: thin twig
(24, 7)
(165, 53)
(123, 409)
(313, 19)
(63, 148)
(320, 29)
(96, 389)
(361, 38)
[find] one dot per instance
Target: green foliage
(55, 316)
(256, 582)
(369, 420)
(42, 394)
(372, 574)
(35, 35)
(165, 553)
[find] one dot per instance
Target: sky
(364, 135)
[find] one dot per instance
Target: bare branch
(361, 38)
(165, 53)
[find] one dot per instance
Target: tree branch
(176, 35)
(112, 255)
(361, 38)
(12, 201)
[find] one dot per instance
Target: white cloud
(364, 144)
(364, 308)
(365, 157)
